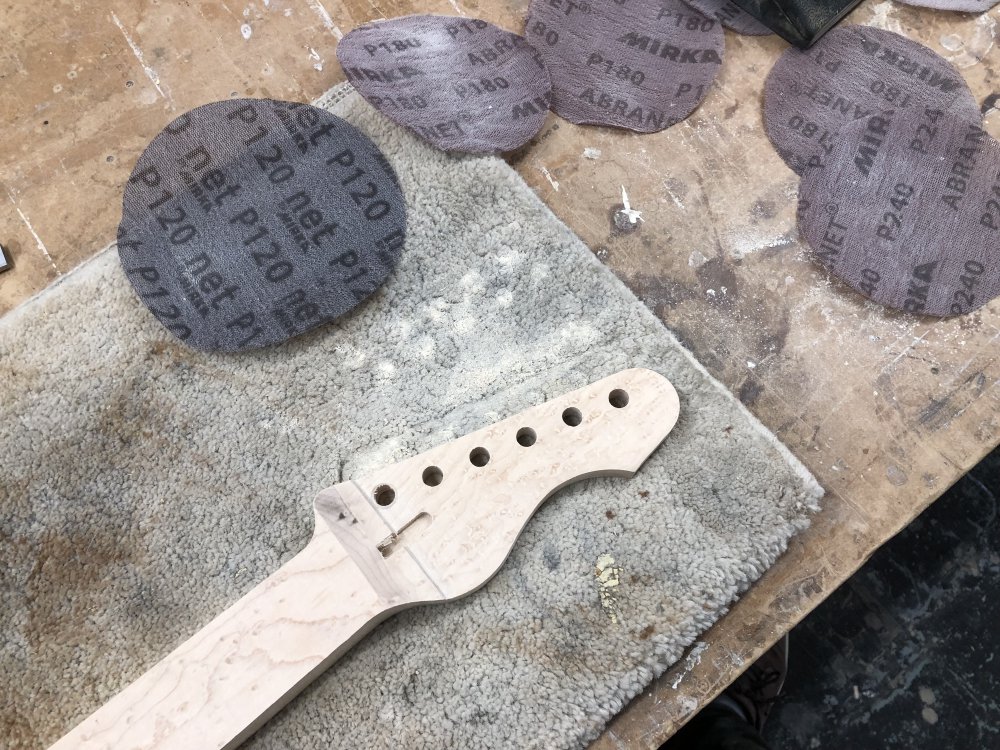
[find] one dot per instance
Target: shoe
(758, 687)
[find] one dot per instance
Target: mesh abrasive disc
(730, 15)
(461, 84)
(643, 65)
(249, 221)
(907, 211)
(965, 6)
(850, 74)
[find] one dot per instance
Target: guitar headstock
(440, 524)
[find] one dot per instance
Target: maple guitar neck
(431, 528)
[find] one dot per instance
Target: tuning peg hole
(479, 457)
(433, 476)
(384, 495)
(526, 437)
(572, 416)
(618, 398)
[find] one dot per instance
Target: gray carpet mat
(146, 486)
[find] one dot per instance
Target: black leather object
(801, 22)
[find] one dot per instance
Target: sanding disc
(965, 6)
(643, 65)
(248, 221)
(461, 84)
(730, 15)
(850, 74)
(906, 210)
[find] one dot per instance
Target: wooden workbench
(886, 409)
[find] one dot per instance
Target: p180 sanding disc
(249, 221)
(730, 15)
(643, 65)
(850, 74)
(461, 84)
(907, 211)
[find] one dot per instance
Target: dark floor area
(904, 655)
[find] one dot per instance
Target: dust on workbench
(886, 409)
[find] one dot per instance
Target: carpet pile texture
(146, 486)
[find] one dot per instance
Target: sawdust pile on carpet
(146, 486)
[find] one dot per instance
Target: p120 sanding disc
(906, 209)
(249, 221)
(461, 84)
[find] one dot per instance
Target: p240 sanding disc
(461, 84)
(907, 211)
(643, 65)
(850, 74)
(249, 221)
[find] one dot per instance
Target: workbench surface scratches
(887, 410)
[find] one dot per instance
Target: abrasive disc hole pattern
(730, 15)
(643, 65)
(850, 74)
(906, 210)
(461, 84)
(248, 221)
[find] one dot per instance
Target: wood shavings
(608, 579)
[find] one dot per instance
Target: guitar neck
(223, 683)
(431, 528)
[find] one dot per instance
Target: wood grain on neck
(431, 528)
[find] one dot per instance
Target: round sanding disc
(249, 221)
(965, 6)
(907, 211)
(461, 84)
(643, 65)
(850, 74)
(730, 15)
